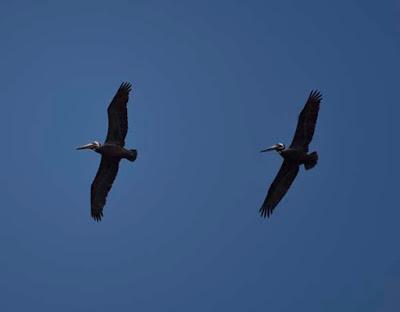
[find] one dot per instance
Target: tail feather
(132, 155)
(311, 160)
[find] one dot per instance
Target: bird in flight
(294, 156)
(112, 151)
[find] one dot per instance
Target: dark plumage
(295, 155)
(112, 150)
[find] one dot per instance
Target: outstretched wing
(102, 184)
(283, 180)
(118, 115)
(307, 121)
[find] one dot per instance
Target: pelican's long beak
(87, 146)
(271, 148)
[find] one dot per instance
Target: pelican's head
(276, 147)
(93, 146)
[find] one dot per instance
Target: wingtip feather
(315, 95)
(97, 216)
(126, 86)
(265, 212)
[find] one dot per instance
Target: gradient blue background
(214, 82)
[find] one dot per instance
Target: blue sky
(214, 82)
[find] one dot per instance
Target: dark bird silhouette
(295, 155)
(112, 151)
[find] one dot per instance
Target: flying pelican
(295, 155)
(112, 151)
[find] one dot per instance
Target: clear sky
(214, 82)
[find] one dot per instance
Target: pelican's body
(115, 151)
(298, 156)
(295, 155)
(112, 151)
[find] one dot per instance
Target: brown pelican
(112, 151)
(295, 155)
